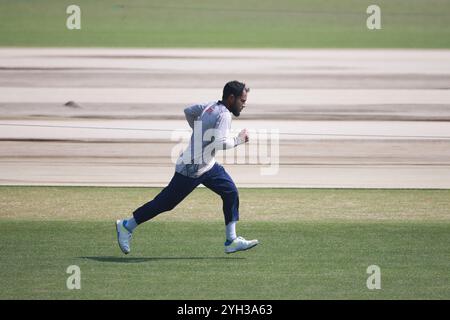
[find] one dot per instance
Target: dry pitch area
(373, 118)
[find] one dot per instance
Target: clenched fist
(243, 135)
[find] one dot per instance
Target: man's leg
(178, 188)
(219, 181)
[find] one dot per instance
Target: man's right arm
(192, 113)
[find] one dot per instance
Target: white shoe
(239, 244)
(123, 237)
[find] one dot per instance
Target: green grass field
(315, 244)
(213, 23)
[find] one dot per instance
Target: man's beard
(235, 111)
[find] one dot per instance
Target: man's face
(239, 104)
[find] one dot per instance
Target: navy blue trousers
(216, 179)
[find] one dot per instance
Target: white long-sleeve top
(211, 124)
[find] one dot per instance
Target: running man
(211, 124)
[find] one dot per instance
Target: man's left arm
(223, 139)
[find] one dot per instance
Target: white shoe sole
(228, 252)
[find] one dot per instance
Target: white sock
(231, 231)
(130, 224)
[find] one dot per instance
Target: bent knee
(231, 194)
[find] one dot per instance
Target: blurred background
(355, 108)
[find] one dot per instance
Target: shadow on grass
(146, 259)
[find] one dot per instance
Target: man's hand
(243, 136)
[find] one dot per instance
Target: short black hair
(235, 88)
